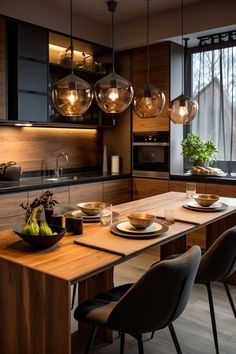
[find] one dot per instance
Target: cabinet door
(146, 187)
(11, 211)
(180, 186)
(32, 107)
(85, 193)
(60, 194)
(32, 42)
(118, 191)
(222, 190)
(32, 76)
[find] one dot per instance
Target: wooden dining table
(35, 295)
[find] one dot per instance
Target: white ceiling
(127, 10)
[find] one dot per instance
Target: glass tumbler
(105, 214)
(190, 189)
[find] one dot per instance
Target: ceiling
(127, 10)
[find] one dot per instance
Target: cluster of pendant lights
(72, 96)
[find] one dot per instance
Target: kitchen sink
(60, 179)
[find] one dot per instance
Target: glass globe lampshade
(149, 102)
(113, 93)
(182, 110)
(72, 96)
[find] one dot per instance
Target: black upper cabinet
(32, 42)
(27, 72)
(36, 60)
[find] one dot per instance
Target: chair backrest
(219, 261)
(158, 297)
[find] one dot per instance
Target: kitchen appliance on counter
(151, 154)
(10, 171)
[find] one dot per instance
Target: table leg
(173, 247)
(34, 312)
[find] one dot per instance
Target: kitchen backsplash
(36, 149)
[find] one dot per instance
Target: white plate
(194, 204)
(125, 226)
(79, 213)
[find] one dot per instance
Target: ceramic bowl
(206, 200)
(141, 220)
(41, 241)
(90, 208)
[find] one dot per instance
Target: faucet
(59, 171)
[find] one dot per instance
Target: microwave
(151, 154)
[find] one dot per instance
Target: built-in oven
(151, 154)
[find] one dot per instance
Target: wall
(209, 15)
(37, 148)
(54, 17)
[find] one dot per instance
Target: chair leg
(152, 335)
(140, 344)
(230, 298)
(91, 339)
(73, 296)
(122, 343)
(175, 339)
(213, 320)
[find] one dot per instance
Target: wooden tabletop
(70, 261)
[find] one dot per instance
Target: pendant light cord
(148, 54)
(182, 42)
(71, 39)
(112, 39)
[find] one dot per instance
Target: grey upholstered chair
(217, 263)
(157, 299)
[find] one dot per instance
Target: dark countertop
(221, 179)
(32, 183)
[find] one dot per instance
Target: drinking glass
(105, 214)
(169, 216)
(190, 189)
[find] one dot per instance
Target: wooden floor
(193, 328)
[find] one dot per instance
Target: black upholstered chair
(218, 263)
(157, 299)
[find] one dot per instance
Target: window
(214, 88)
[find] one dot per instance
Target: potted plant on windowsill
(198, 151)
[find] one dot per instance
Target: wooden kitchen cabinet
(223, 190)
(11, 211)
(85, 192)
(117, 191)
(162, 74)
(146, 187)
(180, 186)
(61, 194)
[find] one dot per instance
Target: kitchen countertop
(31, 183)
(224, 178)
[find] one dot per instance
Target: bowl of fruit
(37, 232)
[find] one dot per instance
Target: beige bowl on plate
(206, 200)
(90, 208)
(141, 220)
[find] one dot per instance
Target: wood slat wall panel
(3, 111)
(37, 148)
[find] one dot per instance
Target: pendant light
(183, 109)
(113, 93)
(150, 100)
(72, 96)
